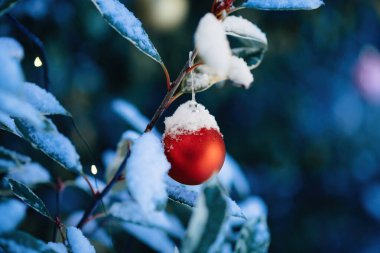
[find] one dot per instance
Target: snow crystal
(243, 27)
(123, 21)
(283, 4)
(30, 174)
(189, 117)
(78, 243)
(57, 247)
(41, 100)
(12, 212)
(146, 169)
(53, 143)
(239, 72)
(153, 237)
(212, 44)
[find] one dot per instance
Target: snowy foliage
(190, 117)
(52, 143)
(124, 22)
(77, 242)
(11, 76)
(30, 174)
(212, 44)
(283, 4)
(145, 172)
(57, 247)
(41, 100)
(243, 27)
(12, 213)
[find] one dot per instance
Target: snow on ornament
(193, 144)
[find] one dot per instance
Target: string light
(37, 62)
(94, 170)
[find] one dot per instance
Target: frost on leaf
(283, 4)
(145, 172)
(207, 221)
(52, 143)
(29, 174)
(78, 243)
(212, 44)
(41, 100)
(12, 213)
(125, 23)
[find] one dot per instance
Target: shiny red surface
(195, 157)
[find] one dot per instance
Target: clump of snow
(12, 212)
(12, 48)
(212, 44)
(239, 72)
(58, 247)
(253, 207)
(41, 100)
(145, 173)
(243, 27)
(78, 242)
(190, 117)
(30, 174)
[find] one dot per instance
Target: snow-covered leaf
(232, 177)
(132, 213)
(152, 237)
(78, 243)
(212, 44)
(250, 43)
(51, 142)
(283, 4)
(29, 197)
(58, 247)
(20, 242)
(8, 124)
(125, 23)
(41, 100)
(11, 75)
(145, 173)
(12, 213)
(29, 174)
(14, 156)
(254, 237)
(183, 195)
(207, 222)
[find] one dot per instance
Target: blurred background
(307, 133)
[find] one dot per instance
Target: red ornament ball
(195, 155)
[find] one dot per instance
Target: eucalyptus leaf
(207, 222)
(125, 23)
(254, 236)
(51, 142)
(283, 4)
(29, 197)
(5, 5)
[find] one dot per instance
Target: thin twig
(169, 95)
(167, 76)
(104, 192)
(58, 201)
(37, 42)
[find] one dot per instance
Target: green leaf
(5, 5)
(254, 237)
(125, 23)
(18, 241)
(51, 142)
(207, 222)
(29, 197)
